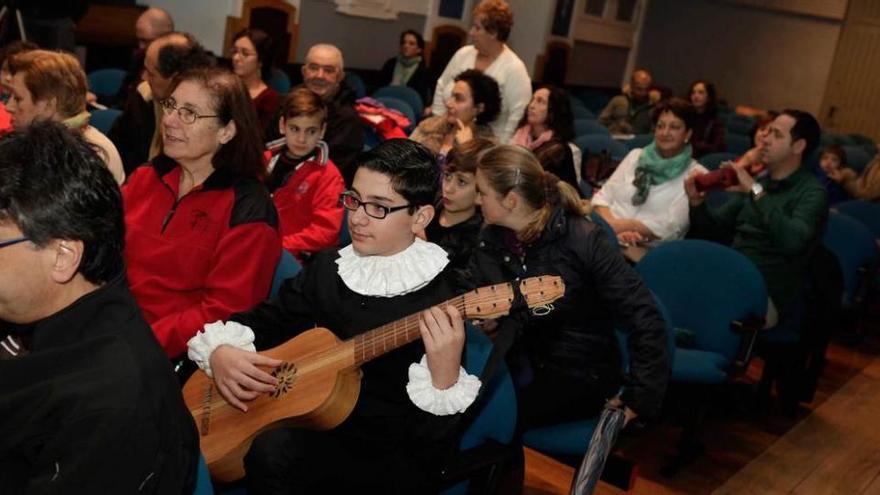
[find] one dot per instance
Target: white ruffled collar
(395, 275)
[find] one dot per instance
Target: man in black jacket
(324, 73)
(89, 402)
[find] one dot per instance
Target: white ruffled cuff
(455, 399)
(202, 345)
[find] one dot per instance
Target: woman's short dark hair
(419, 40)
(560, 120)
(264, 46)
(484, 90)
(241, 156)
(679, 107)
(498, 17)
(711, 96)
(412, 168)
(53, 185)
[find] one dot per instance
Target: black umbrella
(604, 436)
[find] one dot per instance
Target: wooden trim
(236, 24)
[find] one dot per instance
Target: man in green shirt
(776, 219)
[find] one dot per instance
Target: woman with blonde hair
(567, 362)
(48, 85)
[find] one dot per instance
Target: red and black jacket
(199, 258)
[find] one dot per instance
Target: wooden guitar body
(318, 387)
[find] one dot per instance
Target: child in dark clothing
(832, 165)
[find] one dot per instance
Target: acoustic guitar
(319, 379)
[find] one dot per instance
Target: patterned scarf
(653, 170)
(404, 69)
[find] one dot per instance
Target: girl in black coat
(568, 362)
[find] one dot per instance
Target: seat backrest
(402, 107)
(286, 268)
(497, 419)
(857, 157)
(356, 83)
(106, 82)
(863, 211)
(280, 81)
(596, 143)
(855, 248)
(740, 124)
(404, 93)
(587, 126)
(738, 143)
(705, 286)
(713, 160)
(609, 232)
(639, 141)
(103, 120)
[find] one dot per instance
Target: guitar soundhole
(286, 375)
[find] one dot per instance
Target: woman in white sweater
(488, 53)
(644, 199)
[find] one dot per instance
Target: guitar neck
(398, 333)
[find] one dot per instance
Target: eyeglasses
(187, 116)
(350, 202)
(12, 242)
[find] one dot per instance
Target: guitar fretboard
(372, 344)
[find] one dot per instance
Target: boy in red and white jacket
(304, 183)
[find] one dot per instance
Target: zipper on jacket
(169, 215)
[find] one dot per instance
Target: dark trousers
(552, 397)
(297, 461)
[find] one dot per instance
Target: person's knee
(272, 452)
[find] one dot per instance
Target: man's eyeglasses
(350, 202)
(12, 242)
(187, 115)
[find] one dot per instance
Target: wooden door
(852, 96)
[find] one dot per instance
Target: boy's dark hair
(484, 90)
(412, 168)
(463, 157)
(805, 127)
(836, 150)
(174, 57)
(303, 101)
(53, 185)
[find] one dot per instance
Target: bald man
(153, 23)
(324, 73)
(136, 133)
(630, 112)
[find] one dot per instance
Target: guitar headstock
(539, 292)
(486, 303)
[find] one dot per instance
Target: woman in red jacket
(201, 231)
(304, 183)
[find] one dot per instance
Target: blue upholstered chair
(597, 143)
(740, 124)
(586, 126)
(402, 107)
(856, 249)
(287, 268)
(279, 82)
(863, 211)
(609, 232)
(639, 141)
(106, 82)
(713, 160)
(203, 479)
(485, 444)
(718, 297)
(857, 157)
(404, 93)
(356, 83)
(103, 120)
(738, 143)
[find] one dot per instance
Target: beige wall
(757, 57)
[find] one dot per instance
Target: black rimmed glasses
(12, 242)
(351, 202)
(187, 115)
